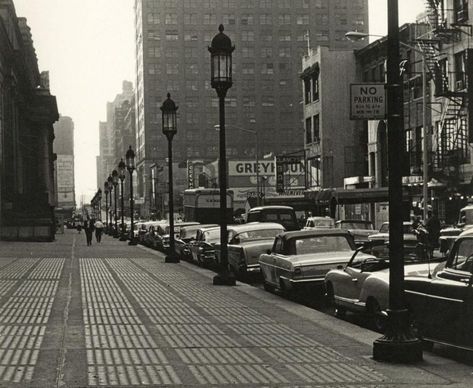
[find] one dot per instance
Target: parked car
(319, 223)
(301, 259)
(151, 234)
(187, 234)
(442, 306)
(162, 237)
(362, 285)
(246, 243)
(284, 215)
(449, 234)
(202, 248)
(410, 238)
(359, 229)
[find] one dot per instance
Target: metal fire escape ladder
(430, 49)
(434, 13)
(452, 135)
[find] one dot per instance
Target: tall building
(28, 111)
(115, 135)
(271, 36)
(64, 149)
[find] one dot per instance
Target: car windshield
(323, 223)
(259, 234)
(357, 225)
(212, 236)
(407, 229)
(318, 244)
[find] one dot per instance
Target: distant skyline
(88, 48)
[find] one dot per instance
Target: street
(114, 315)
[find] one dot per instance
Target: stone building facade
(27, 113)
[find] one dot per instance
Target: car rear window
(319, 244)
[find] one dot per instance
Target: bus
(203, 205)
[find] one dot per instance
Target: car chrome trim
(434, 296)
(307, 280)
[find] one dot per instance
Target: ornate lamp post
(106, 191)
(221, 80)
(168, 110)
(115, 185)
(99, 204)
(399, 344)
(130, 165)
(121, 175)
(110, 187)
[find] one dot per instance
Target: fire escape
(450, 138)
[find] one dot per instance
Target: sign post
(367, 101)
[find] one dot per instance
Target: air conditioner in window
(459, 85)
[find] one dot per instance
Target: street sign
(367, 101)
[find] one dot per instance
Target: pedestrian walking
(98, 230)
(88, 228)
(433, 227)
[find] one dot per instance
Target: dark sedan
(442, 306)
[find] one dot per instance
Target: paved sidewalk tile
(117, 316)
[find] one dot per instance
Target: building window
(307, 90)
(267, 68)
(308, 130)
(265, 19)
(460, 70)
(316, 129)
(460, 8)
(315, 87)
(248, 36)
(153, 18)
(285, 52)
(171, 18)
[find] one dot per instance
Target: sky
(88, 48)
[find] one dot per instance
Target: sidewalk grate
(236, 374)
(291, 355)
(331, 373)
(122, 352)
(24, 315)
(196, 356)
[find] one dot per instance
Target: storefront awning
(372, 195)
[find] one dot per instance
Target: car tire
(376, 320)
(331, 306)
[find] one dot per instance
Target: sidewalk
(115, 315)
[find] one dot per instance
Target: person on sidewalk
(98, 230)
(88, 228)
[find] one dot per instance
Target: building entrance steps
(117, 315)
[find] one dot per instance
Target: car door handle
(354, 280)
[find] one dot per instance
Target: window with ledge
(308, 130)
(316, 125)
(460, 9)
(460, 70)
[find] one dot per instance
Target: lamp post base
(399, 344)
(224, 279)
(132, 242)
(171, 259)
(123, 238)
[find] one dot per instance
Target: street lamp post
(399, 344)
(110, 211)
(99, 204)
(115, 185)
(130, 165)
(106, 191)
(121, 175)
(169, 117)
(221, 80)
